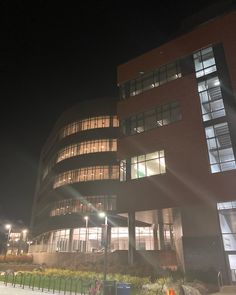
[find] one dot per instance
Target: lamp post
(86, 233)
(103, 215)
(23, 242)
(8, 226)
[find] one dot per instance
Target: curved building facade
(78, 177)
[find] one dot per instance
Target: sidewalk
(10, 290)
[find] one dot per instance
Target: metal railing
(58, 284)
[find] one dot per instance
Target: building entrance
(227, 217)
(232, 266)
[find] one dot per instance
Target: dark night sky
(53, 55)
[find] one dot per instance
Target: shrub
(16, 259)
(208, 276)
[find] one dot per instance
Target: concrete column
(202, 245)
(131, 230)
(160, 230)
(108, 237)
(70, 240)
(155, 237)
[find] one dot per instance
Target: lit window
(220, 150)
(150, 80)
(87, 203)
(90, 123)
(212, 104)
(204, 62)
(144, 165)
(101, 145)
(154, 118)
(87, 174)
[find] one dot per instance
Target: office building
(178, 148)
(166, 176)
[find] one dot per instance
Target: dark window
(163, 115)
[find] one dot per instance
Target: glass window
(123, 170)
(150, 119)
(90, 123)
(162, 75)
(153, 167)
(134, 170)
(139, 86)
(212, 104)
(133, 125)
(204, 62)
(86, 174)
(115, 121)
(171, 71)
(93, 146)
(151, 156)
(150, 80)
(163, 115)
(220, 150)
(147, 165)
(84, 204)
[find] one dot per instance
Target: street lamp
(23, 241)
(86, 233)
(24, 232)
(103, 215)
(8, 226)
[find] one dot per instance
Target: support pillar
(201, 240)
(131, 230)
(108, 237)
(155, 237)
(70, 240)
(161, 235)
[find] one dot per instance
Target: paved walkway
(226, 290)
(10, 290)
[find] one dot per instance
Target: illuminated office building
(177, 113)
(164, 172)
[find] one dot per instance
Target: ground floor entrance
(227, 217)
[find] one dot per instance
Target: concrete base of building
(157, 258)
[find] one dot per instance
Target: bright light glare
(86, 217)
(102, 214)
(8, 226)
(217, 83)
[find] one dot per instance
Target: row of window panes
(89, 123)
(229, 241)
(150, 80)
(204, 62)
(144, 165)
(60, 240)
(87, 204)
(219, 144)
(212, 104)
(226, 205)
(88, 239)
(92, 146)
(87, 174)
(148, 165)
(158, 117)
(220, 148)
